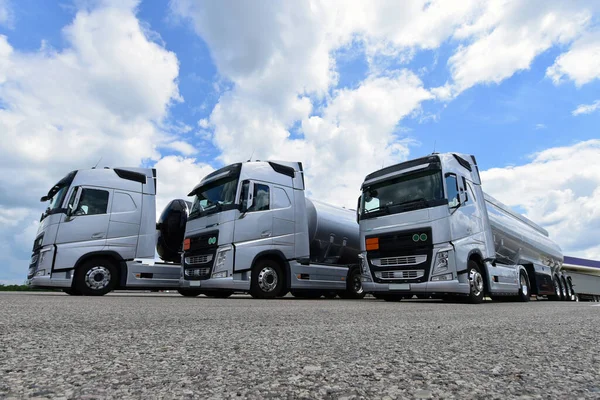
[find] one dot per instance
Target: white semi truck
(428, 229)
(251, 229)
(99, 233)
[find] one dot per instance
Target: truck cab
(251, 229)
(98, 224)
(425, 230)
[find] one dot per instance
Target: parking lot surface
(157, 345)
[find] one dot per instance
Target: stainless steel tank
(333, 233)
(517, 238)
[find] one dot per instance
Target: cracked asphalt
(158, 345)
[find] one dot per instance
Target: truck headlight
(441, 262)
(221, 258)
(364, 264)
(222, 274)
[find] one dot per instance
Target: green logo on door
(212, 240)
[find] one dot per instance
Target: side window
(464, 187)
(261, 197)
(122, 202)
(92, 202)
(72, 199)
(244, 195)
(471, 191)
(280, 198)
(452, 190)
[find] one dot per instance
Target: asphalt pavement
(166, 346)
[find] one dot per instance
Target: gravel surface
(167, 346)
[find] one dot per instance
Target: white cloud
(540, 126)
(176, 177)
(6, 14)
(581, 63)
(106, 94)
(507, 36)
(560, 190)
(182, 147)
(586, 108)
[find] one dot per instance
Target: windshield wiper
(420, 200)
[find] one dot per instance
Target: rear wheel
(563, 293)
(189, 292)
(267, 279)
(556, 295)
(524, 288)
(96, 277)
(476, 283)
(567, 289)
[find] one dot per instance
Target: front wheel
(476, 283)
(267, 279)
(96, 277)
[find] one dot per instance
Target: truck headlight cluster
(364, 265)
(441, 262)
(221, 258)
(445, 277)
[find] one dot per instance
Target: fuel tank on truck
(171, 229)
(517, 238)
(333, 233)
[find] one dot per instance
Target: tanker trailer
(252, 230)
(428, 229)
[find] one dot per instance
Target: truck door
(466, 219)
(124, 226)
(253, 232)
(84, 227)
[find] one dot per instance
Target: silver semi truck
(428, 229)
(99, 233)
(251, 229)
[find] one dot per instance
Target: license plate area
(194, 283)
(399, 286)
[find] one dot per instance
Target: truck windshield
(404, 193)
(214, 197)
(57, 194)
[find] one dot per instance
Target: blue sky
(187, 86)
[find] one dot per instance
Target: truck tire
(267, 279)
(190, 292)
(96, 277)
(567, 289)
(524, 287)
(476, 283)
(556, 295)
(219, 295)
(563, 294)
(71, 292)
(354, 289)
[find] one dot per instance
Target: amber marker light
(186, 244)
(372, 244)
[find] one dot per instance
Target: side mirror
(358, 209)
(249, 200)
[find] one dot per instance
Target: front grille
(398, 261)
(410, 274)
(201, 259)
(197, 272)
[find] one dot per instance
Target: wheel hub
(97, 278)
(357, 285)
(267, 279)
(524, 287)
(476, 281)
